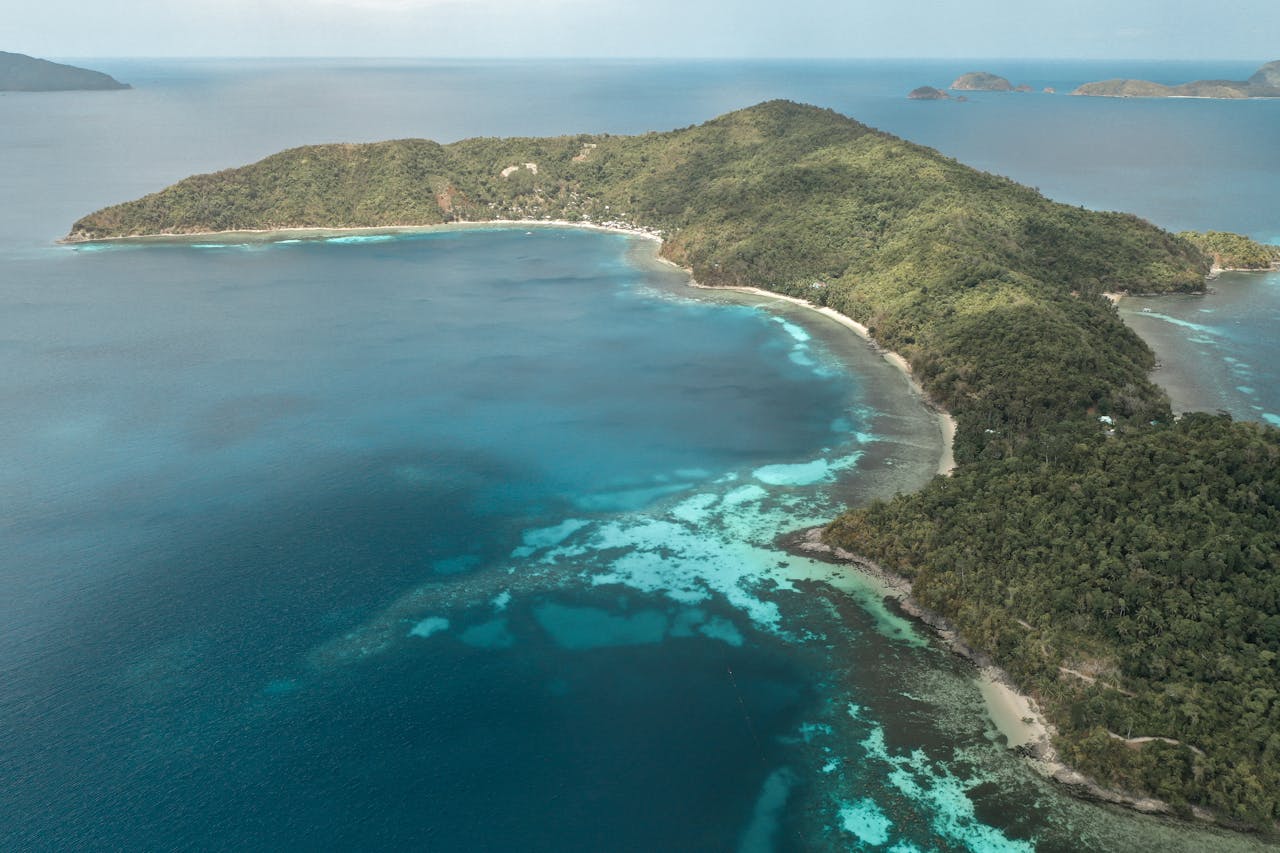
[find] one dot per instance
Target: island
(982, 81)
(1265, 83)
(1121, 565)
(22, 73)
(928, 93)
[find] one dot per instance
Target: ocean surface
(464, 540)
(1219, 352)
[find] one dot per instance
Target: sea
(467, 539)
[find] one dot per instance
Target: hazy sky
(1140, 29)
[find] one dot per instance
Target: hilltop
(22, 73)
(1265, 83)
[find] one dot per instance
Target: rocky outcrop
(928, 93)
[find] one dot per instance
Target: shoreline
(277, 235)
(1014, 714)
(1178, 365)
(946, 423)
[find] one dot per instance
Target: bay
(1217, 352)
(465, 540)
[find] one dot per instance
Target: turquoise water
(1218, 352)
(465, 540)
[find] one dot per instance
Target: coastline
(1176, 367)
(1181, 369)
(276, 235)
(1014, 714)
(946, 423)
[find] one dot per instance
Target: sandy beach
(275, 235)
(946, 423)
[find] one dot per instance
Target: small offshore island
(973, 81)
(1123, 566)
(22, 73)
(985, 81)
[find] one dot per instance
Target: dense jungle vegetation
(1233, 251)
(1125, 572)
(1131, 583)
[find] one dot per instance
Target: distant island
(1119, 563)
(928, 93)
(981, 81)
(22, 73)
(1265, 83)
(974, 81)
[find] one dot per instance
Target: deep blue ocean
(465, 540)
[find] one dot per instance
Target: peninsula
(1233, 251)
(22, 73)
(1122, 565)
(1265, 83)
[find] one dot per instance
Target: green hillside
(991, 291)
(1132, 584)
(1233, 251)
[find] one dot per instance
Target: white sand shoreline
(946, 423)
(272, 235)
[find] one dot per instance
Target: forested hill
(1132, 584)
(1234, 251)
(991, 291)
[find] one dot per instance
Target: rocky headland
(22, 73)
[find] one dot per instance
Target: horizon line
(648, 58)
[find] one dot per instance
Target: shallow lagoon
(1218, 352)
